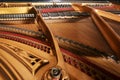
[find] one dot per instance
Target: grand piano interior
(59, 40)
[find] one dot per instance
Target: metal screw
(55, 72)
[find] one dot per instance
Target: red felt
(88, 62)
(22, 36)
(55, 10)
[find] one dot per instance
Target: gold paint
(15, 10)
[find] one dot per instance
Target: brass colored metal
(16, 10)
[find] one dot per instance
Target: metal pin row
(53, 6)
(17, 16)
(40, 46)
(13, 19)
(62, 14)
(22, 31)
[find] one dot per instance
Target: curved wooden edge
(49, 35)
(14, 70)
(100, 12)
(108, 33)
(35, 69)
(109, 15)
(54, 45)
(79, 7)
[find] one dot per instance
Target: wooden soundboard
(88, 40)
